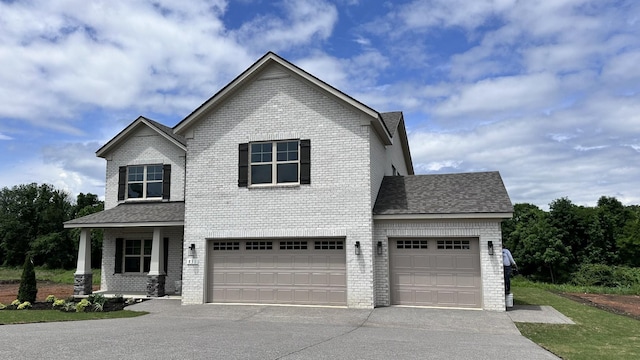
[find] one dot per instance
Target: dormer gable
(141, 121)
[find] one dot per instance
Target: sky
(546, 92)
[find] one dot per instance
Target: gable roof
(270, 58)
(464, 195)
(394, 121)
(133, 215)
(161, 129)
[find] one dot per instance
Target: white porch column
(84, 253)
(83, 277)
(156, 277)
(157, 254)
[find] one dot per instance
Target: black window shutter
(243, 165)
(119, 255)
(305, 161)
(166, 181)
(122, 182)
(166, 254)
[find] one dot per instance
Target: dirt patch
(9, 291)
(628, 305)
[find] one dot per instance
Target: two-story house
(281, 189)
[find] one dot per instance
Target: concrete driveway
(172, 331)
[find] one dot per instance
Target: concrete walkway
(537, 314)
(173, 331)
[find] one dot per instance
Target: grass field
(42, 274)
(597, 334)
(34, 316)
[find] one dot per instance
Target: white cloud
(303, 22)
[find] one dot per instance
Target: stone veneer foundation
(82, 284)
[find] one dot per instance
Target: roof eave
(124, 225)
(497, 215)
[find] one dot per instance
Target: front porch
(142, 249)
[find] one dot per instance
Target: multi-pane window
(144, 181)
(137, 256)
(275, 162)
(411, 244)
(454, 244)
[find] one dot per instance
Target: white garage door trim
(278, 271)
(439, 272)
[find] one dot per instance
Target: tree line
(554, 245)
(31, 224)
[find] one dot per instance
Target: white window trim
(274, 164)
(144, 183)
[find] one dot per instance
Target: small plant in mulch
(24, 305)
(2, 306)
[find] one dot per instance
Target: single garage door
(302, 271)
(435, 272)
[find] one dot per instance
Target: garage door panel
(445, 280)
(250, 278)
(445, 262)
(285, 279)
(435, 272)
(466, 280)
(296, 272)
(422, 279)
(465, 263)
(421, 262)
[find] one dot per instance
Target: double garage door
(435, 272)
(308, 272)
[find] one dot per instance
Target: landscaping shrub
(24, 305)
(607, 276)
(82, 305)
(28, 287)
(2, 306)
(59, 303)
(50, 299)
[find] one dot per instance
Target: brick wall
(145, 146)
(280, 106)
(490, 265)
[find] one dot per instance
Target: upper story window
(150, 182)
(144, 182)
(274, 163)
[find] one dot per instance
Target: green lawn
(597, 334)
(34, 316)
(42, 274)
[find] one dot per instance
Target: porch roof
(463, 195)
(133, 214)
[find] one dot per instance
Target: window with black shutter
(268, 163)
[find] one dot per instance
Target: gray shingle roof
(133, 213)
(391, 120)
(465, 193)
(167, 130)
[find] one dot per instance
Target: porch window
(137, 256)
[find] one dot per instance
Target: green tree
(28, 287)
(629, 241)
(536, 244)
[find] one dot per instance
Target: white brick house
(282, 189)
